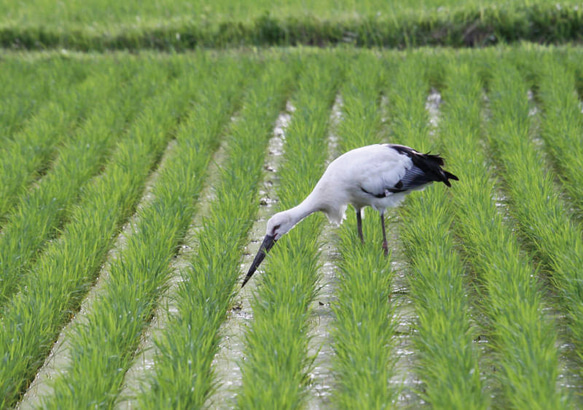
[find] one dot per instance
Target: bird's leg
(385, 244)
(359, 225)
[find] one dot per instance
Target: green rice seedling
(103, 346)
(562, 124)
(361, 117)
(363, 327)
(183, 375)
(540, 212)
(27, 85)
(445, 355)
(43, 210)
(28, 154)
(276, 366)
(523, 338)
(66, 269)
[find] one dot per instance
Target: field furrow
(509, 293)
(446, 356)
(540, 212)
(227, 362)
(364, 328)
(64, 271)
(320, 336)
(276, 366)
(183, 374)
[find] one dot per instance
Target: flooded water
(231, 348)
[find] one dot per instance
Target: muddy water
(320, 345)
(231, 348)
(59, 358)
(405, 378)
(432, 106)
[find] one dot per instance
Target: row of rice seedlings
(276, 366)
(443, 338)
(27, 85)
(364, 326)
(68, 266)
(522, 336)
(536, 205)
(28, 154)
(562, 124)
(183, 376)
(43, 210)
(102, 343)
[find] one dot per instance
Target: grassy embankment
(178, 25)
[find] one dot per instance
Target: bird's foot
(386, 248)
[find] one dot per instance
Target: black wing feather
(426, 168)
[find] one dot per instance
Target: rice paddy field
(136, 188)
(144, 146)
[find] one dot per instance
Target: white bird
(378, 175)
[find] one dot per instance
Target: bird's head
(277, 226)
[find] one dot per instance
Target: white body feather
(371, 168)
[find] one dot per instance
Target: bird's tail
(448, 176)
(432, 164)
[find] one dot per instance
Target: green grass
(447, 360)
(364, 328)
(27, 155)
(510, 293)
(183, 375)
(276, 365)
(180, 25)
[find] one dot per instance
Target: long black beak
(267, 244)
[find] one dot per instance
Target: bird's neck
(307, 207)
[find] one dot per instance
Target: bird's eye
(275, 228)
